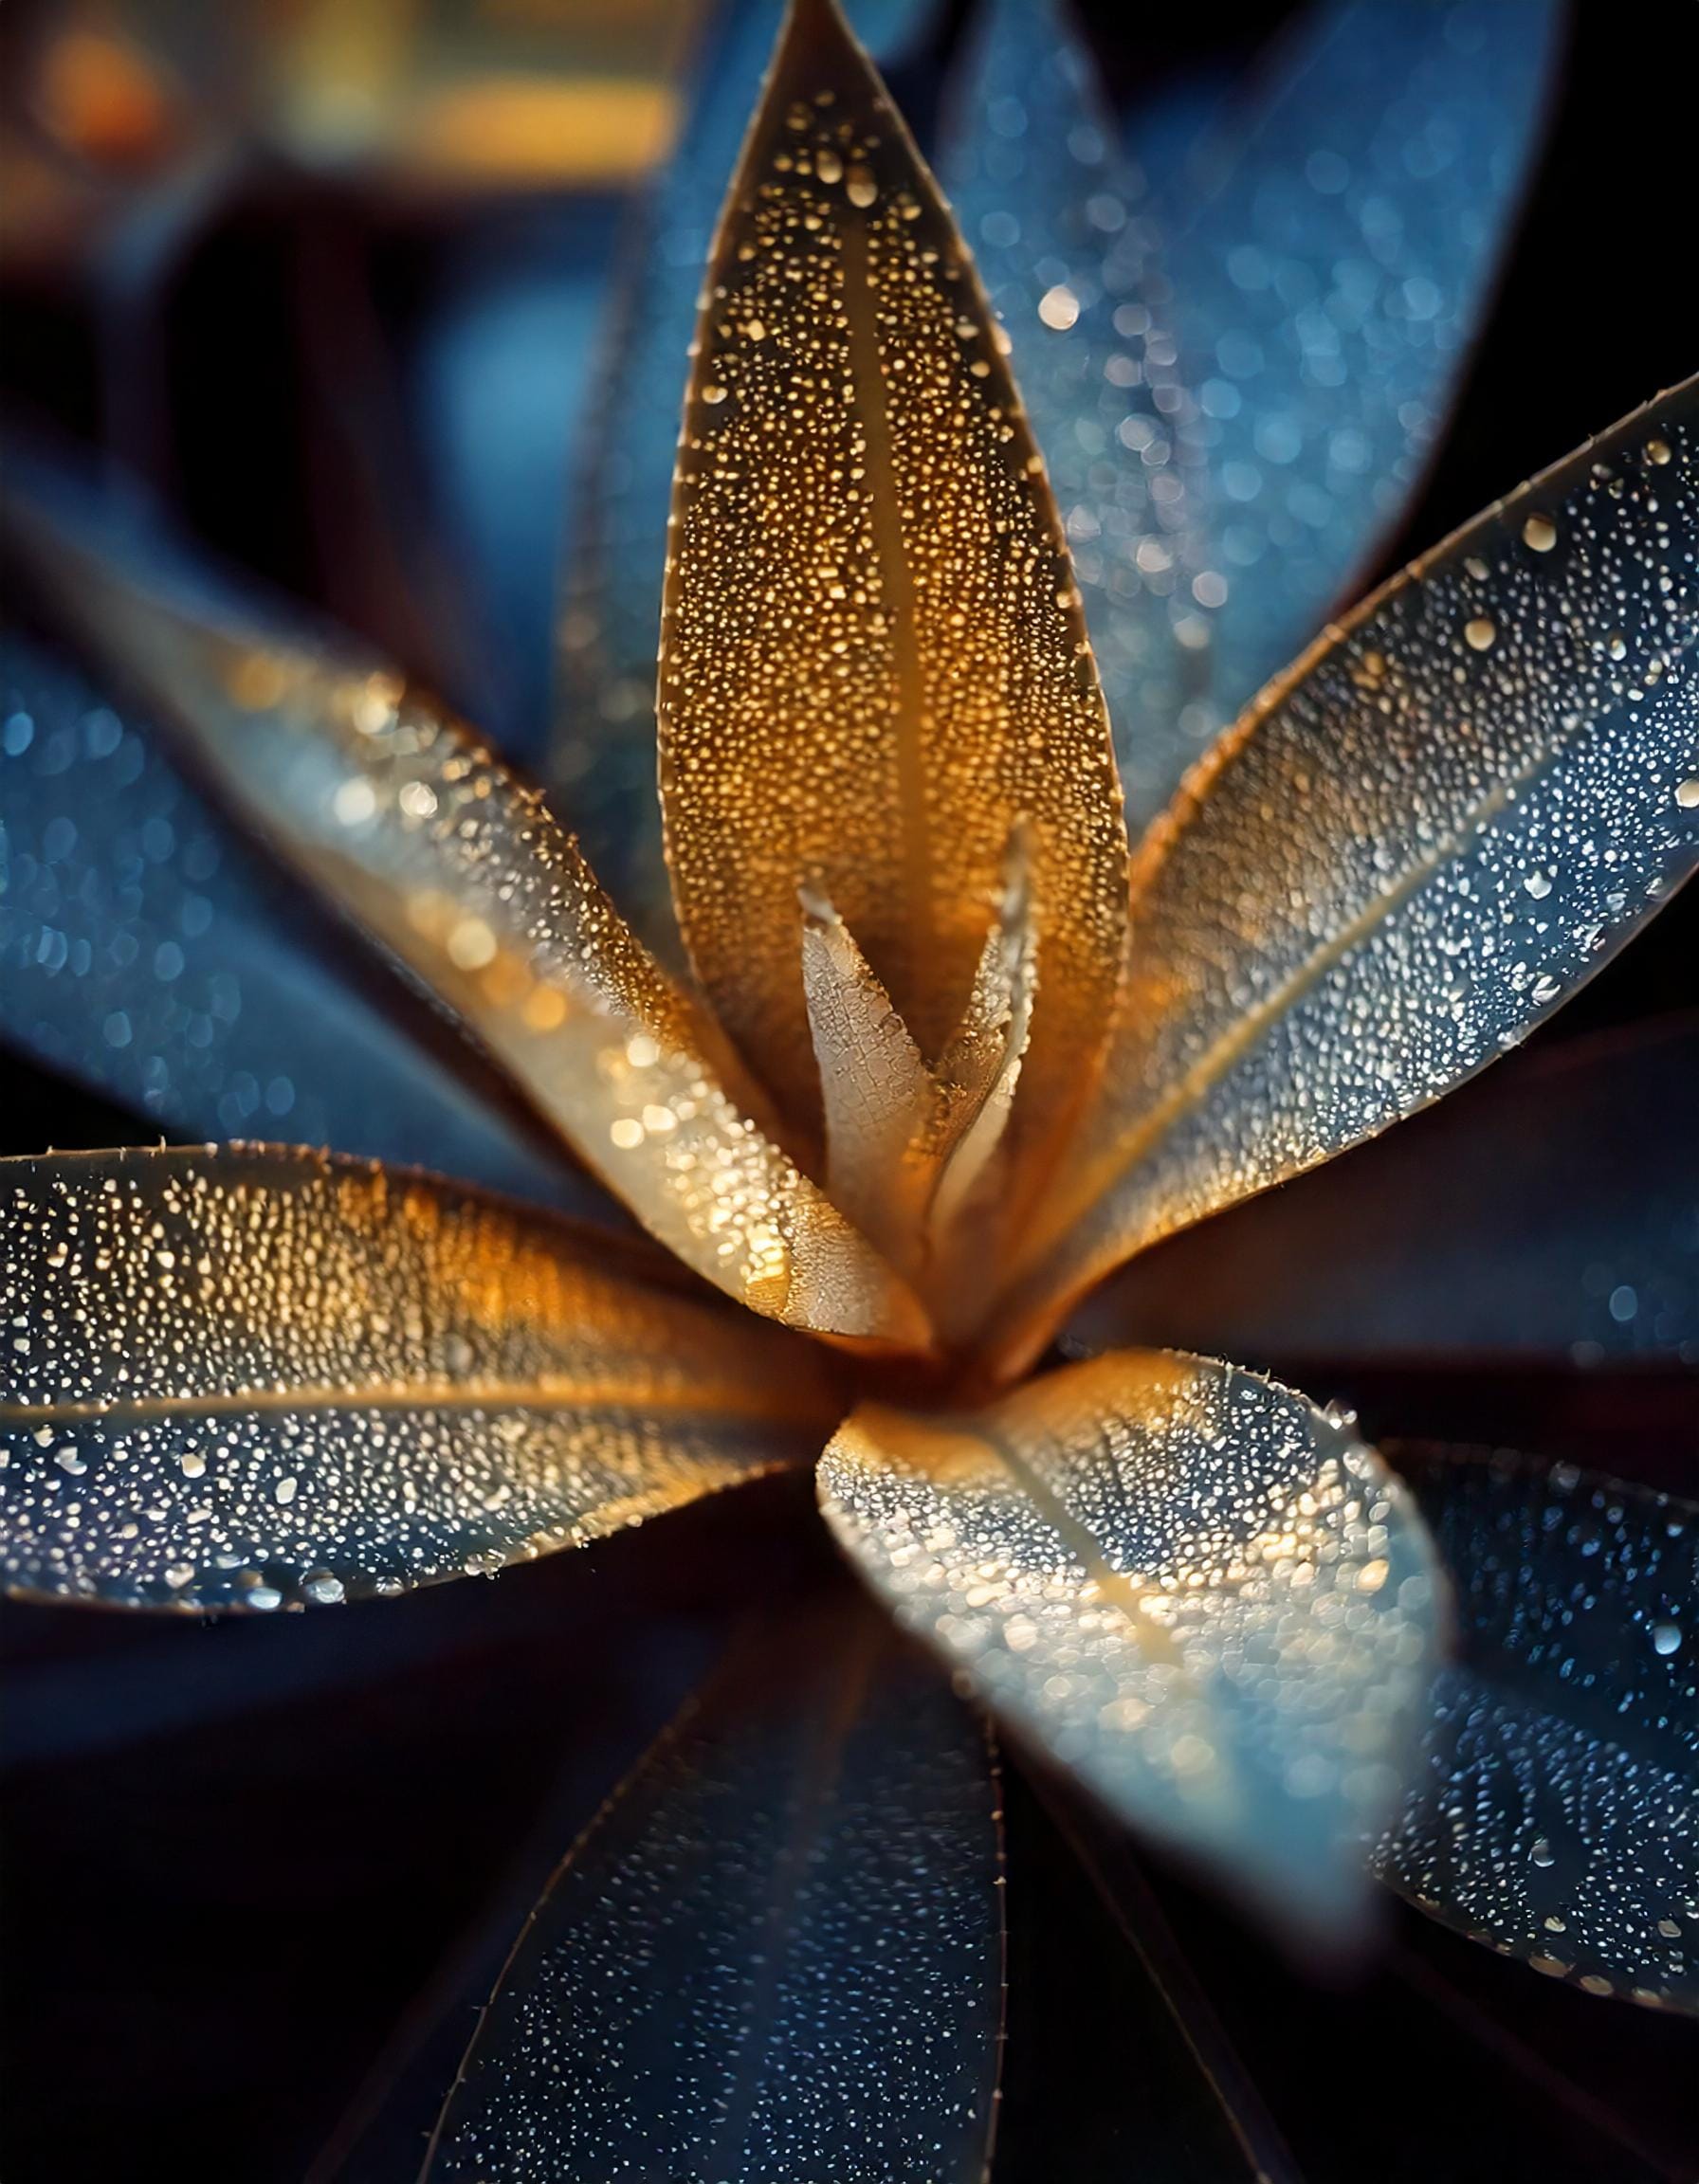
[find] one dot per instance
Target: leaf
(146, 950)
(254, 1378)
(394, 812)
(1549, 1212)
(602, 759)
(916, 1157)
(1556, 1814)
(1326, 290)
(1450, 814)
(503, 381)
(1236, 376)
(1114, 2052)
(1185, 1586)
(776, 1952)
(873, 662)
(1070, 242)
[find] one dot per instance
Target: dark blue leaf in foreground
(776, 1953)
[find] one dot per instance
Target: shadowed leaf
(1447, 816)
(1556, 1814)
(254, 1378)
(1549, 1212)
(1185, 1586)
(1324, 254)
(146, 949)
(400, 817)
(1070, 244)
(1327, 288)
(775, 1953)
(874, 660)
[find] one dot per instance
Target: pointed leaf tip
(873, 659)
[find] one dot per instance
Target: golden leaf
(874, 660)
(401, 817)
(250, 1376)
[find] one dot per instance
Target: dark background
(235, 1857)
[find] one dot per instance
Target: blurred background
(334, 279)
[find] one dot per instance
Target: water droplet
(1666, 1638)
(1539, 533)
(1059, 308)
(354, 802)
(1480, 633)
(861, 189)
(472, 945)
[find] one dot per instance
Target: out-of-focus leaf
(775, 1953)
(146, 949)
(1549, 1212)
(397, 814)
(500, 386)
(1450, 814)
(1326, 290)
(1069, 245)
(1189, 1588)
(1110, 2025)
(873, 661)
(1556, 1815)
(1234, 394)
(254, 1378)
(602, 762)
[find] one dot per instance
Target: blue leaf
(1069, 244)
(775, 1953)
(147, 950)
(1556, 1814)
(1237, 354)
(1327, 289)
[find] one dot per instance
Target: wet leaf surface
(1208, 1603)
(252, 1378)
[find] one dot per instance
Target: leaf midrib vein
(540, 1392)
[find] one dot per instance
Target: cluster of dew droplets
(260, 1379)
(900, 673)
